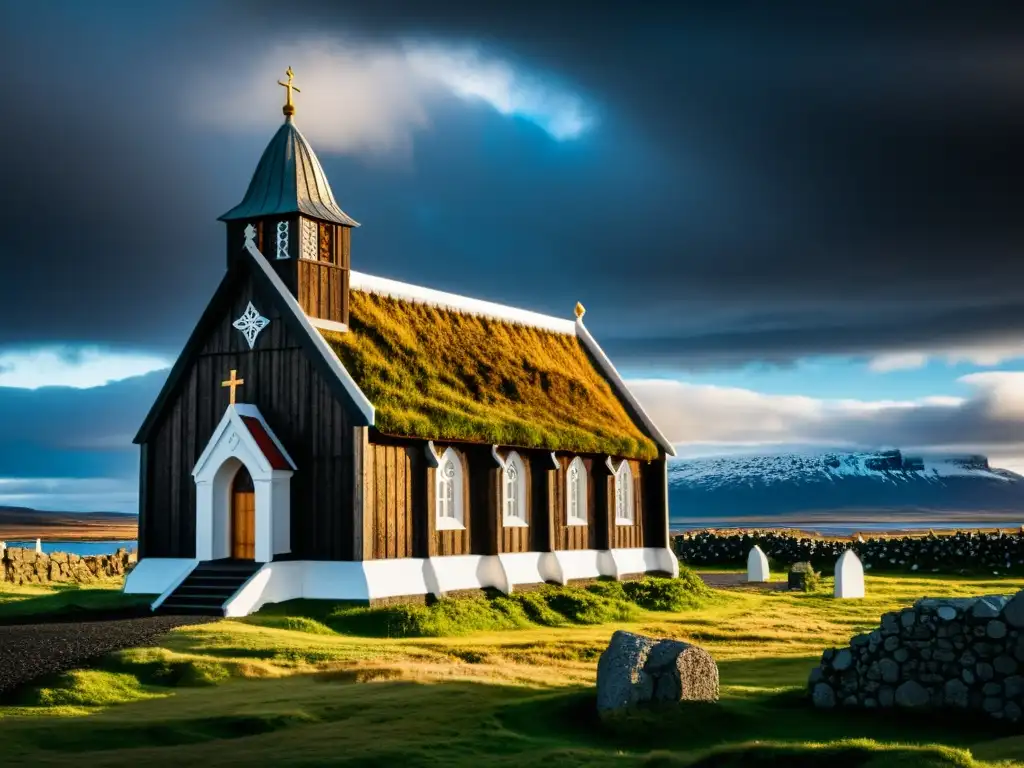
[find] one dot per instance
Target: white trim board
(361, 401)
(382, 286)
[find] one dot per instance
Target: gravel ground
(30, 650)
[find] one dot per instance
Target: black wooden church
(330, 434)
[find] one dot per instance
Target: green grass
(288, 688)
(65, 599)
(443, 375)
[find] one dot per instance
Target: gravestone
(757, 565)
(849, 576)
(3, 549)
(39, 545)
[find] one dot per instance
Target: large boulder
(635, 671)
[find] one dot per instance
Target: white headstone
(849, 576)
(39, 545)
(757, 565)
(3, 549)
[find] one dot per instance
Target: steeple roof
(289, 179)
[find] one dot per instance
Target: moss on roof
(437, 374)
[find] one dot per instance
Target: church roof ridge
(360, 281)
(289, 179)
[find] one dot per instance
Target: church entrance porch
(243, 516)
(243, 491)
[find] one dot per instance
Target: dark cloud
(767, 181)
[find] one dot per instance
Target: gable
(435, 373)
(215, 334)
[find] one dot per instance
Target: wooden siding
(298, 404)
(574, 536)
(628, 536)
(322, 290)
(388, 482)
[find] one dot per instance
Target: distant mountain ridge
(883, 481)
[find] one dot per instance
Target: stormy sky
(789, 222)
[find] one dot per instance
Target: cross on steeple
(233, 383)
(289, 108)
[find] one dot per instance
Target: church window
(310, 241)
(282, 239)
(624, 513)
(448, 499)
(576, 493)
(514, 491)
(325, 243)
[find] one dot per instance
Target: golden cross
(289, 108)
(234, 383)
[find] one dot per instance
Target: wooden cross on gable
(234, 383)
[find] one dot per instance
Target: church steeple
(300, 226)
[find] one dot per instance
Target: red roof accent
(266, 443)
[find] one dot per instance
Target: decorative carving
(250, 235)
(282, 239)
(325, 243)
(250, 324)
(310, 241)
(233, 440)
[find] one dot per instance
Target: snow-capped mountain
(754, 486)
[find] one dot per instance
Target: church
(329, 434)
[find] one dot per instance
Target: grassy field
(288, 688)
(37, 600)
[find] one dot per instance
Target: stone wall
(997, 553)
(20, 565)
(961, 654)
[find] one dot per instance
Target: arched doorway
(243, 516)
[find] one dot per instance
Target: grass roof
(437, 374)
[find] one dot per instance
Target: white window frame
(448, 491)
(576, 490)
(625, 508)
(513, 477)
(282, 240)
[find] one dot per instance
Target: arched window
(576, 493)
(624, 495)
(513, 491)
(448, 498)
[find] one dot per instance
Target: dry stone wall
(961, 654)
(20, 565)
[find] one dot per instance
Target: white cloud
(80, 368)
(357, 97)
(980, 354)
(991, 419)
(70, 494)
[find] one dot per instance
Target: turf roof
(438, 374)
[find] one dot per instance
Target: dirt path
(30, 650)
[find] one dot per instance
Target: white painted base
(158, 576)
(376, 579)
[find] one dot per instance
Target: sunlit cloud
(77, 367)
(989, 420)
(984, 355)
(373, 98)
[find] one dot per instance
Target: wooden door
(243, 516)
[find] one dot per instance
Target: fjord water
(80, 547)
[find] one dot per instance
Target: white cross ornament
(251, 323)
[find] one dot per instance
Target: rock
(912, 695)
(635, 670)
(992, 689)
(995, 629)
(985, 608)
(891, 643)
(1012, 711)
(946, 613)
(890, 671)
(955, 694)
(842, 661)
(886, 697)
(815, 677)
(992, 704)
(1013, 686)
(984, 671)
(823, 696)
(1004, 665)
(900, 655)
(1013, 611)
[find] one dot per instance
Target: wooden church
(330, 434)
